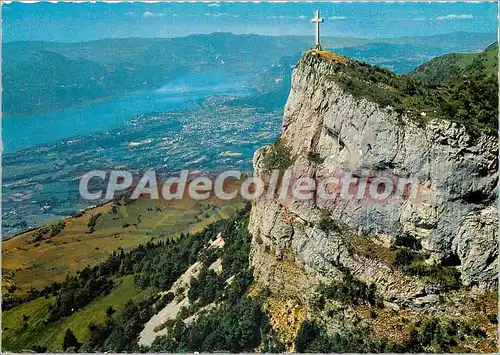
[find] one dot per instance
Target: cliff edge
(330, 127)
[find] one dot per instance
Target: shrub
(405, 256)
(448, 277)
(37, 236)
(315, 158)
(110, 310)
(408, 241)
(441, 338)
(278, 156)
(493, 318)
(92, 222)
(328, 224)
(312, 337)
(70, 341)
(57, 228)
(39, 349)
(308, 332)
(270, 341)
(351, 290)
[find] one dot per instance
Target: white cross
(317, 20)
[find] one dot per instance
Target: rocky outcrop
(327, 130)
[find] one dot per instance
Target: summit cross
(317, 20)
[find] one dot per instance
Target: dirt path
(172, 309)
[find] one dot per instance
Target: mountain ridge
(456, 66)
(421, 96)
(122, 62)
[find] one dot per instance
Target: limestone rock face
(453, 214)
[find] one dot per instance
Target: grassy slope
(51, 335)
(460, 88)
(450, 67)
(26, 265)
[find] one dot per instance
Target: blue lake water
(166, 130)
(22, 132)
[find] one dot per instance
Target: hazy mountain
(456, 41)
(44, 76)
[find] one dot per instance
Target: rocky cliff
(327, 129)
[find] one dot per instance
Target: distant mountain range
(398, 57)
(44, 76)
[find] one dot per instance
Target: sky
(74, 22)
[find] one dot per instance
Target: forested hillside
(117, 321)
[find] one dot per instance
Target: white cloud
(302, 17)
(152, 14)
(130, 14)
(337, 18)
(217, 14)
(213, 4)
(281, 17)
(454, 17)
(419, 19)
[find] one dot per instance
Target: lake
(183, 125)
(22, 132)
